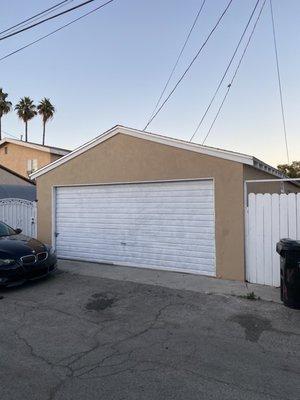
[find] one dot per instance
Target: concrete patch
(100, 301)
(254, 326)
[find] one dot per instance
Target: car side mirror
(18, 230)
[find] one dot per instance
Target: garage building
(140, 199)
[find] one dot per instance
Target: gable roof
(10, 171)
(47, 149)
(182, 144)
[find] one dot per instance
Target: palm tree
(5, 107)
(46, 111)
(26, 110)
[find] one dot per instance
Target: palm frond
(26, 109)
(46, 109)
(5, 105)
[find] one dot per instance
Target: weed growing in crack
(250, 296)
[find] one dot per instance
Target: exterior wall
(266, 187)
(53, 157)
(123, 158)
(17, 156)
(6, 178)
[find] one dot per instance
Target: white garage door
(165, 225)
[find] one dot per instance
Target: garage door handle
(56, 234)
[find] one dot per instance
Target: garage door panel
(146, 224)
(179, 248)
(142, 208)
(178, 251)
(146, 212)
(149, 198)
(137, 194)
(146, 235)
(102, 221)
(183, 200)
(202, 224)
(170, 242)
(158, 190)
(152, 262)
(161, 225)
(120, 254)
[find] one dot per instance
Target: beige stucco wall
(17, 157)
(127, 159)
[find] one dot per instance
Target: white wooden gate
(269, 218)
(19, 213)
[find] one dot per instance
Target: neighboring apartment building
(26, 157)
(14, 185)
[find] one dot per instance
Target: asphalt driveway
(79, 337)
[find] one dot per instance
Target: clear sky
(109, 69)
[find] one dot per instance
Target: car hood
(16, 246)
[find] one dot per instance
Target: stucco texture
(17, 157)
(123, 158)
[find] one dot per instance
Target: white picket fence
(19, 213)
(269, 218)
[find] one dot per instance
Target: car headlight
(6, 261)
(51, 250)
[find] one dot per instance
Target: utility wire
(279, 83)
(9, 134)
(179, 57)
(235, 72)
(225, 73)
(34, 16)
(53, 32)
(189, 66)
(46, 19)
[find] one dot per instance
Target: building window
(32, 166)
(5, 150)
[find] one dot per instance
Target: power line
(189, 66)
(226, 71)
(46, 19)
(37, 16)
(34, 16)
(53, 32)
(179, 57)
(279, 83)
(9, 134)
(235, 73)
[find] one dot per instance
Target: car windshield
(6, 230)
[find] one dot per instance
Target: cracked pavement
(78, 337)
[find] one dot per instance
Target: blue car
(23, 258)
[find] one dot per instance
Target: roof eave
(118, 129)
(46, 149)
(268, 168)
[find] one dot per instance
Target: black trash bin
(289, 251)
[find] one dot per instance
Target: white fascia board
(210, 151)
(182, 144)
